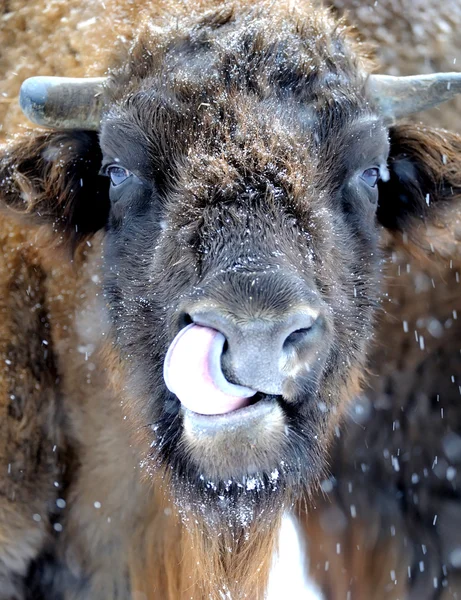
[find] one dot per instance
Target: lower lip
(268, 407)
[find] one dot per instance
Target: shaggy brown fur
(394, 508)
(78, 446)
(389, 529)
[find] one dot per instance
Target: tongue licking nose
(192, 371)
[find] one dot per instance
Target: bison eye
(371, 176)
(117, 174)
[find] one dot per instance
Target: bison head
(245, 167)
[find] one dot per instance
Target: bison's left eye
(371, 176)
(117, 174)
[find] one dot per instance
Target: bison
(194, 253)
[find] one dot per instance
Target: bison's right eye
(117, 174)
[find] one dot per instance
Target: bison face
(241, 264)
(241, 252)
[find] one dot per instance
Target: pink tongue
(192, 371)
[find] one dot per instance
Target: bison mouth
(228, 430)
(193, 372)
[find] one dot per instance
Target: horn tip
(32, 98)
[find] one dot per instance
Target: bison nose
(262, 353)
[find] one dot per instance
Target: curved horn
(401, 96)
(63, 102)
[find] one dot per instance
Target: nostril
(296, 337)
(309, 332)
(184, 320)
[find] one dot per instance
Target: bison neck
(184, 560)
(195, 558)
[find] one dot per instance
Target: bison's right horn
(63, 102)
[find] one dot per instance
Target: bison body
(228, 242)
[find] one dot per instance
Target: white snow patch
(87, 23)
(289, 576)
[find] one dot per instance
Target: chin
(239, 465)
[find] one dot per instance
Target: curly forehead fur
(260, 47)
(205, 76)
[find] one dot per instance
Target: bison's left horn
(63, 102)
(401, 96)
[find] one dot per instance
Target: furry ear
(52, 178)
(425, 177)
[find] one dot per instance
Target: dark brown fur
(394, 505)
(220, 149)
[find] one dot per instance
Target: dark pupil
(371, 176)
(118, 175)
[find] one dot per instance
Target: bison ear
(52, 178)
(425, 179)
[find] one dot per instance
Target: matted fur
(118, 532)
